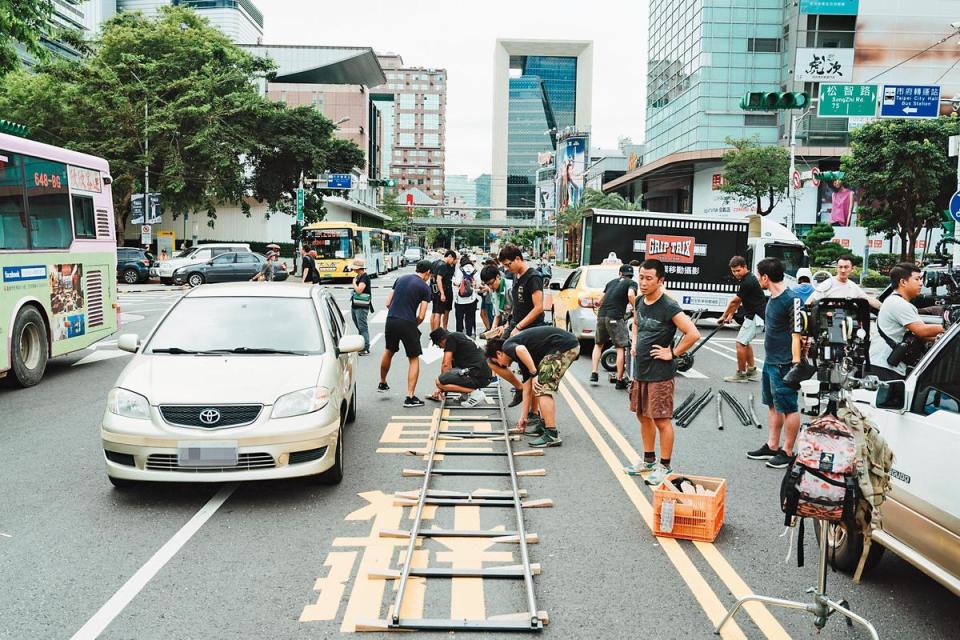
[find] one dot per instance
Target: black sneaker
(411, 402)
(517, 398)
(763, 453)
(594, 377)
(383, 387)
(780, 461)
(622, 384)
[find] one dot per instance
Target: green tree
(399, 217)
(755, 174)
(903, 175)
(822, 250)
(26, 22)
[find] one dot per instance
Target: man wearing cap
(361, 302)
(612, 323)
(406, 309)
(266, 272)
(463, 370)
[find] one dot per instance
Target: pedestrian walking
(466, 297)
(407, 308)
(361, 302)
(751, 297)
(308, 267)
(544, 354)
(656, 319)
(463, 369)
(782, 352)
(266, 273)
(612, 322)
(441, 273)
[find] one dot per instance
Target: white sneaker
(475, 398)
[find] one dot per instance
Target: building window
(406, 140)
(84, 222)
(406, 121)
(431, 102)
(431, 139)
(431, 121)
(763, 45)
(408, 101)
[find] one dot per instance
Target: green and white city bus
(58, 282)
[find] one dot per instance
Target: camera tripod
(822, 607)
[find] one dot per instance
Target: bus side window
(84, 223)
(48, 203)
(13, 213)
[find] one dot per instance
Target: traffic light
(294, 232)
(388, 182)
(14, 128)
(831, 176)
(774, 101)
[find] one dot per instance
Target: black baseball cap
(423, 266)
(626, 270)
(438, 334)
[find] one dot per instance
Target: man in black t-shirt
(406, 308)
(611, 321)
(463, 369)
(754, 302)
(308, 266)
(527, 291)
(442, 287)
(544, 355)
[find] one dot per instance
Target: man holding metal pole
(656, 318)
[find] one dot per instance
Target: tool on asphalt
(720, 411)
(684, 404)
(530, 620)
(685, 361)
(692, 414)
(681, 416)
(753, 413)
(737, 408)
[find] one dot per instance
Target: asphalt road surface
(289, 559)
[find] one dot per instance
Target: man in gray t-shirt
(896, 319)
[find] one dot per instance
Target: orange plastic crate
(695, 517)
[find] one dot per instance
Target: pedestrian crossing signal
(774, 101)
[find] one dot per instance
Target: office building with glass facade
(540, 88)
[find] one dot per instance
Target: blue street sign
(902, 101)
(339, 181)
(830, 7)
(955, 206)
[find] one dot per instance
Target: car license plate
(207, 454)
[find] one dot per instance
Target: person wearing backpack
(466, 298)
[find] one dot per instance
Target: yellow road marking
(330, 588)
(764, 620)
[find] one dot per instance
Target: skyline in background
(431, 33)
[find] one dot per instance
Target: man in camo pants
(544, 354)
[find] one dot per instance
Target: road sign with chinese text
(845, 100)
(903, 101)
(300, 206)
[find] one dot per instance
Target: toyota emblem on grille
(209, 416)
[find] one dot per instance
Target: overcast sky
(459, 36)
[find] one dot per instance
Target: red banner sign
(670, 248)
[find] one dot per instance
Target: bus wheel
(28, 347)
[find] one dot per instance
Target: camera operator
(903, 335)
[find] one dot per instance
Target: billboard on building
(824, 65)
(891, 41)
(545, 199)
(572, 153)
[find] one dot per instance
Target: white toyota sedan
(245, 381)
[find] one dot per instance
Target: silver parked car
(245, 381)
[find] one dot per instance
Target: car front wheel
(334, 474)
(844, 549)
(195, 279)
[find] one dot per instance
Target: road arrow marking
(432, 354)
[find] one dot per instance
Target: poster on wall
(824, 65)
(571, 165)
(66, 300)
(894, 46)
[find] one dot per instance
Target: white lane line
(5, 535)
(693, 373)
(376, 339)
(118, 602)
(380, 317)
(756, 359)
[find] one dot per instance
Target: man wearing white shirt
(841, 286)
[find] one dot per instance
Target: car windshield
(331, 244)
(598, 278)
(250, 325)
(185, 253)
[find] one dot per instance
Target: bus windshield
(331, 244)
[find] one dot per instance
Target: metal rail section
(532, 621)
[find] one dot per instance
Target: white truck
(696, 250)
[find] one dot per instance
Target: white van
(200, 253)
(920, 420)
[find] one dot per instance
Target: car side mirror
(891, 395)
(350, 344)
(128, 342)
(554, 286)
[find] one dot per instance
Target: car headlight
(128, 404)
(300, 402)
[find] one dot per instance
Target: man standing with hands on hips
(656, 318)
